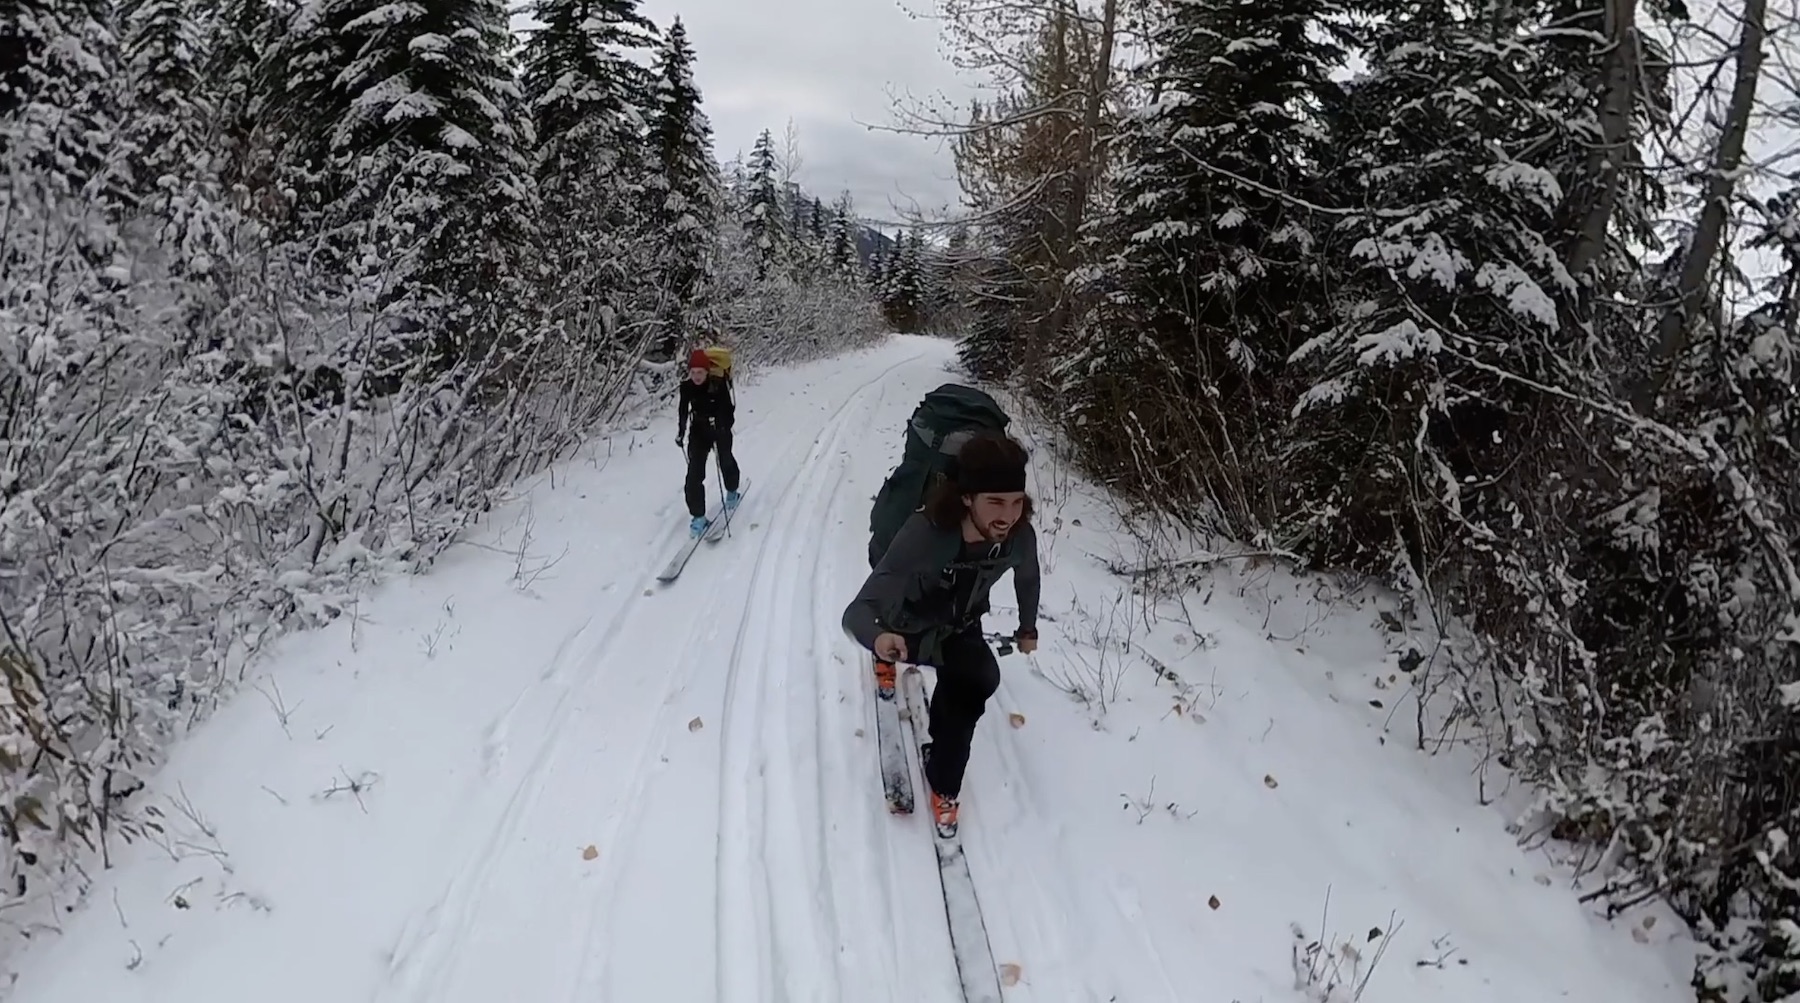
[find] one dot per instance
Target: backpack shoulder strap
(925, 432)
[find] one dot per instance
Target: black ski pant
(968, 674)
(702, 441)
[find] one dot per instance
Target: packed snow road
(684, 741)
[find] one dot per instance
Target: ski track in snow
(425, 963)
(759, 611)
(767, 951)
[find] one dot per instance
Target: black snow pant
(702, 441)
(968, 674)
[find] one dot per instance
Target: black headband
(997, 479)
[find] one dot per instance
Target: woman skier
(708, 400)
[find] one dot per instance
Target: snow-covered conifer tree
(841, 239)
(764, 222)
(411, 119)
(684, 180)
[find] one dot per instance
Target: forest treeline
(293, 290)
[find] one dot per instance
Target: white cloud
(832, 66)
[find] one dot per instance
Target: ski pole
(1004, 641)
(719, 475)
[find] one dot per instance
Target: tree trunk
(1091, 151)
(1675, 326)
(1607, 165)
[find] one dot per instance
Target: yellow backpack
(721, 360)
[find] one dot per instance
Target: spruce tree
(797, 215)
(905, 289)
(685, 186)
(168, 113)
(1209, 259)
(59, 100)
(842, 254)
(986, 350)
(875, 269)
(411, 120)
(589, 102)
(175, 171)
(1218, 245)
(764, 222)
(590, 106)
(242, 76)
(944, 278)
(1443, 148)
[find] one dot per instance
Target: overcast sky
(830, 66)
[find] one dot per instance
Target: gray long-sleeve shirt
(917, 589)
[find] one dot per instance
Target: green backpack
(942, 422)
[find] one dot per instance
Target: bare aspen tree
(1675, 327)
(791, 159)
(1043, 142)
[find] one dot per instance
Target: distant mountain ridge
(867, 238)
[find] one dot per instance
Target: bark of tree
(1674, 329)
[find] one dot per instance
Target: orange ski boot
(943, 815)
(943, 809)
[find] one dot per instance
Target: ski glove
(890, 647)
(1027, 638)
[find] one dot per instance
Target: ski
(718, 521)
(673, 570)
(968, 931)
(896, 780)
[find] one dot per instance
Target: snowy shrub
(1338, 969)
(785, 317)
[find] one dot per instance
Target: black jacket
(710, 403)
(927, 587)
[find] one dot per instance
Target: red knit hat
(698, 359)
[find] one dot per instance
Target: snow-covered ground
(534, 775)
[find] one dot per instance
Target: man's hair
(944, 506)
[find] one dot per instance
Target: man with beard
(924, 601)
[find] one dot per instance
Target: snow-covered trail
(680, 747)
(534, 774)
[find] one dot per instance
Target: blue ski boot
(731, 500)
(698, 525)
